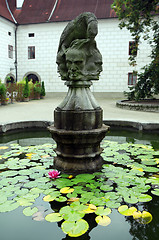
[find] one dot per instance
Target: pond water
(16, 226)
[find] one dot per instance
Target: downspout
(16, 63)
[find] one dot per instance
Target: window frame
(31, 35)
(132, 79)
(10, 51)
(132, 48)
(31, 52)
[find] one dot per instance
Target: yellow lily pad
(48, 198)
(103, 220)
(66, 190)
(124, 210)
(71, 176)
(45, 156)
(91, 208)
(137, 215)
(73, 199)
(3, 147)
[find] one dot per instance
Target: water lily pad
(66, 190)
(137, 215)
(155, 192)
(30, 211)
(143, 218)
(71, 215)
(124, 210)
(8, 206)
(144, 198)
(61, 199)
(103, 220)
(103, 211)
(112, 204)
(75, 229)
(53, 217)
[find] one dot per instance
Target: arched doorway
(10, 78)
(33, 76)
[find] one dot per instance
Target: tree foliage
(138, 17)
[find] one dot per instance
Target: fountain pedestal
(78, 130)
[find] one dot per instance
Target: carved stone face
(75, 62)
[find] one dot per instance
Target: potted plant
(3, 90)
(26, 91)
(42, 94)
(37, 90)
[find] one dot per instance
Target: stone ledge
(20, 126)
(135, 106)
(15, 126)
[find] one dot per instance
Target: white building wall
(112, 42)
(114, 46)
(6, 63)
(46, 40)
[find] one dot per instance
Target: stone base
(78, 151)
(72, 165)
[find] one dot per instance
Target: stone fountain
(78, 123)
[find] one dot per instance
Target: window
(132, 48)
(31, 52)
(10, 51)
(132, 78)
(9, 33)
(31, 34)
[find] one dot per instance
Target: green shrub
(26, 91)
(42, 89)
(3, 90)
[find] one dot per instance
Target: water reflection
(149, 231)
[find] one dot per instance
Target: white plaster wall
(112, 42)
(45, 40)
(6, 63)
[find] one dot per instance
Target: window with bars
(31, 52)
(10, 51)
(132, 78)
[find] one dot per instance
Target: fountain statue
(78, 125)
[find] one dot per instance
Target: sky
(19, 2)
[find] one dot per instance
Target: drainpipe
(15, 63)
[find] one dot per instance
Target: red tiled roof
(4, 12)
(69, 9)
(34, 11)
(39, 11)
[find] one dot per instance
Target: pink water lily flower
(53, 174)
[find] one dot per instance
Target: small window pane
(132, 48)
(10, 51)
(31, 34)
(132, 78)
(31, 52)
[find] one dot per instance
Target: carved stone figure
(78, 36)
(78, 127)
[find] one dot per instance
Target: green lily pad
(53, 217)
(103, 211)
(75, 229)
(71, 215)
(8, 206)
(144, 198)
(155, 192)
(103, 220)
(30, 211)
